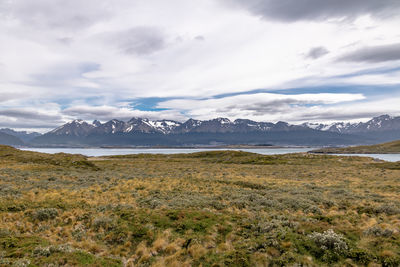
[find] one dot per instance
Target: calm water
(386, 157)
(95, 152)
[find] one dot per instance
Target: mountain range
(219, 131)
(24, 136)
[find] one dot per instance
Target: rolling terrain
(222, 208)
(385, 148)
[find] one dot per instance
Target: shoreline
(167, 147)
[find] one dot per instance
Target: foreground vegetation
(203, 209)
(385, 148)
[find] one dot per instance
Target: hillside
(221, 208)
(7, 139)
(25, 136)
(385, 148)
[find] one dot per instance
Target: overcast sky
(266, 60)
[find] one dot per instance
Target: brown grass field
(204, 209)
(385, 148)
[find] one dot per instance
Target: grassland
(386, 148)
(204, 209)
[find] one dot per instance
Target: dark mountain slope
(7, 139)
(23, 135)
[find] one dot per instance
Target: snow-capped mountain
(378, 124)
(74, 128)
(146, 125)
(142, 131)
(141, 125)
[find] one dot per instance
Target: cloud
(361, 111)
(260, 106)
(374, 54)
(6, 96)
(28, 114)
(317, 52)
(311, 10)
(291, 108)
(30, 118)
(89, 56)
(65, 74)
(57, 14)
(105, 113)
(140, 40)
(199, 38)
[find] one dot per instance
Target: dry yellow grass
(221, 209)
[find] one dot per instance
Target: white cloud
(261, 106)
(70, 52)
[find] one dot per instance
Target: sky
(265, 60)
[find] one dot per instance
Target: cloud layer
(103, 59)
(374, 54)
(294, 10)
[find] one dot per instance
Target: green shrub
(330, 241)
(45, 214)
(103, 222)
(389, 209)
(377, 231)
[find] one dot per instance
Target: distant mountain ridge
(7, 139)
(376, 124)
(23, 135)
(218, 131)
(383, 128)
(141, 125)
(81, 128)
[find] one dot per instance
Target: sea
(98, 152)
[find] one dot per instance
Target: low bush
(329, 240)
(44, 214)
(103, 222)
(47, 251)
(378, 231)
(389, 209)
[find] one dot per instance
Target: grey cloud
(58, 14)
(6, 96)
(295, 10)
(374, 54)
(317, 52)
(27, 118)
(272, 107)
(28, 114)
(199, 38)
(260, 108)
(41, 126)
(62, 74)
(66, 40)
(87, 112)
(105, 113)
(139, 40)
(338, 115)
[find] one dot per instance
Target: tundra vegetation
(385, 148)
(220, 208)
